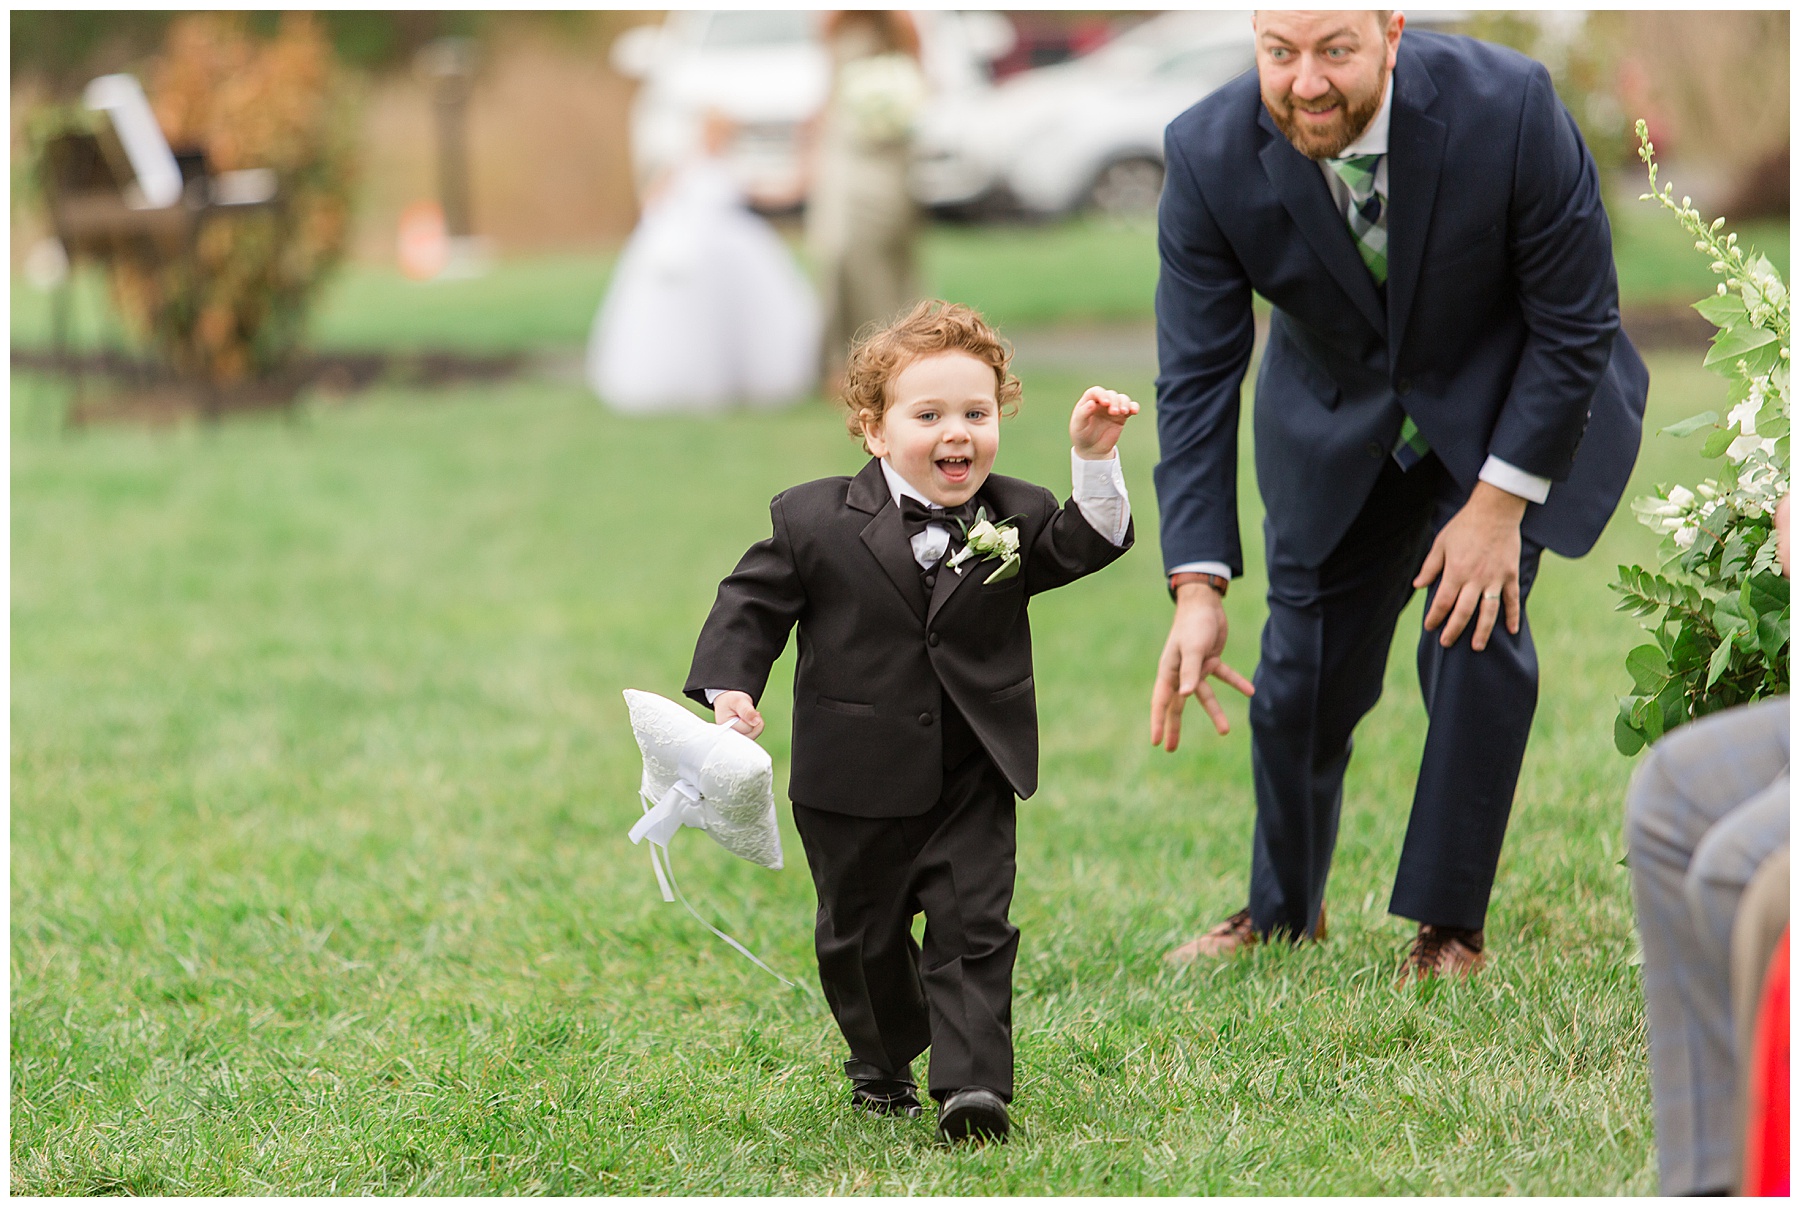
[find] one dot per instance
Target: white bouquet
(882, 96)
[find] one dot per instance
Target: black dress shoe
(880, 1092)
(902, 1101)
(973, 1113)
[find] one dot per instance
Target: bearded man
(1444, 394)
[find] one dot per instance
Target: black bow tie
(916, 513)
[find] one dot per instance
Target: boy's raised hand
(1098, 419)
(738, 708)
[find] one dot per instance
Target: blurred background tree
(1581, 52)
(1707, 83)
(248, 101)
(1701, 79)
(548, 151)
(64, 48)
(234, 306)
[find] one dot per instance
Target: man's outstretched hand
(1190, 657)
(1477, 555)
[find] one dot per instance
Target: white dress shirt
(1374, 141)
(1098, 491)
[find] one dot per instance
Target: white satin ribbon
(679, 806)
(665, 865)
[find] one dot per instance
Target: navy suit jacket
(1499, 330)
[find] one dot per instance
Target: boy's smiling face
(941, 429)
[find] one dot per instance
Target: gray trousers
(1708, 805)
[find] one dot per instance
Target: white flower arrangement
(1720, 603)
(882, 95)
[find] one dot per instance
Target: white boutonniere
(985, 539)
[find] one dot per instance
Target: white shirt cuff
(713, 694)
(1100, 495)
(1218, 568)
(1514, 481)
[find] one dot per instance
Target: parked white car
(768, 71)
(1087, 133)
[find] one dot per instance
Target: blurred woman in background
(861, 222)
(707, 307)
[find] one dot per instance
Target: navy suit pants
(1324, 655)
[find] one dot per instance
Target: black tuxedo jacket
(877, 655)
(1498, 332)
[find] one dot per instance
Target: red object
(1766, 1126)
(1041, 40)
(424, 241)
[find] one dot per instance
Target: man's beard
(1316, 143)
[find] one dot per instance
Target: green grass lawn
(320, 882)
(1066, 272)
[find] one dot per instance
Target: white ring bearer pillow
(710, 777)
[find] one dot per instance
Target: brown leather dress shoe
(1232, 935)
(1443, 951)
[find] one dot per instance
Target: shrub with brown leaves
(278, 103)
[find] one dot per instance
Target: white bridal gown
(705, 309)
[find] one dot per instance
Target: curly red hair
(931, 327)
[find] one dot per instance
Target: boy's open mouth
(954, 468)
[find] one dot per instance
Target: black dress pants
(1324, 654)
(954, 863)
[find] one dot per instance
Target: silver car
(1086, 134)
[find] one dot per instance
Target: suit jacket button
(1373, 448)
(932, 640)
(924, 718)
(1404, 386)
(930, 581)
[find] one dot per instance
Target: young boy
(915, 717)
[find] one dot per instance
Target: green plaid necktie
(1368, 226)
(1368, 211)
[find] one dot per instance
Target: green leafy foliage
(1721, 622)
